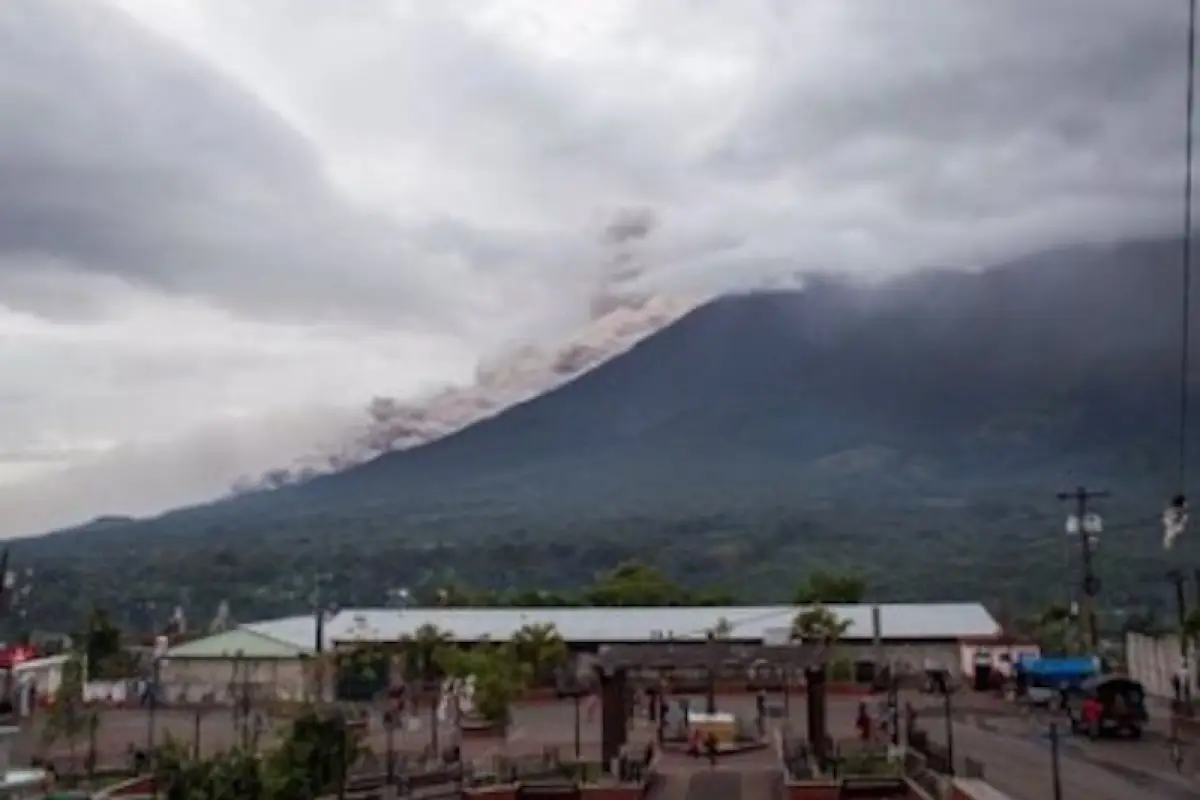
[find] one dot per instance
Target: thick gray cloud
(123, 156)
(216, 210)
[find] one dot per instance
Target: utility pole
(1086, 528)
(319, 607)
(1196, 585)
(1184, 677)
(1055, 774)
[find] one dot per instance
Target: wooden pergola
(716, 654)
(712, 660)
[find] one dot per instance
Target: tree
(712, 596)
(233, 773)
(534, 598)
(422, 654)
(1057, 630)
(722, 629)
(103, 654)
(635, 584)
(541, 648)
(1191, 624)
(311, 760)
(818, 623)
(498, 677)
(66, 718)
(827, 587)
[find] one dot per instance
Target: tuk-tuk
(1108, 704)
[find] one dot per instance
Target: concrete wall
(218, 680)
(913, 656)
(1014, 653)
(1153, 660)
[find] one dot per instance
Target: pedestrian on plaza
(863, 723)
(712, 747)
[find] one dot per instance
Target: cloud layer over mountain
(214, 212)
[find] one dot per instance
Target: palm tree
(541, 648)
(499, 676)
(818, 623)
(422, 654)
(722, 629)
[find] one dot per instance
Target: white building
(272, 655)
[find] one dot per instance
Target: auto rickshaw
(1108, 704)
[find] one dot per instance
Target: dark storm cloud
(975, 111)
(122, 155)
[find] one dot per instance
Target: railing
(919, 772)
(936, 757)
(798, 759)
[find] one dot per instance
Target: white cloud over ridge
(251, 218)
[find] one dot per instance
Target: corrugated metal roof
(299, 631)
(239, 641)
(752, 623)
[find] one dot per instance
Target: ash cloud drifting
(621, 314)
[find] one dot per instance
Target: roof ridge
(267, 636)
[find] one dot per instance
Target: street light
(1055, 777)
(1092, 524)
(398, 597)
(949, 731)
(571, 684)
(389, 729)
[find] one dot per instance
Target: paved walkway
(754, 775)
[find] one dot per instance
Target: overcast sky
(225, 226)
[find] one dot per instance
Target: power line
(1186, 277)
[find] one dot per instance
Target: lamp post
(710, 706)
(152, 704)
(1055, 777)
(949, 731)
(433, 687)
(389, 730)
(571, 685)
(893, 703)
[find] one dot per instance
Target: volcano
(1015, 380)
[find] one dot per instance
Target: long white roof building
(898, 622)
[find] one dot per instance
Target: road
(1015, 750)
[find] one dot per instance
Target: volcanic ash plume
(619, 316)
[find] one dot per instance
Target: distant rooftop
(899, 621)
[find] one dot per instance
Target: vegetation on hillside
(915, 432)
(1013, 558)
